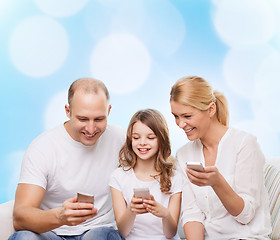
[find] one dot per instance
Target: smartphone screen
(143, 193)
(85, 198)
(197, 166)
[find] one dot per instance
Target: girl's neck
(145, 170)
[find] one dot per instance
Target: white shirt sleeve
(34, 169)
(249, 178)
(190, 211)
(177, 183)
(115, 179)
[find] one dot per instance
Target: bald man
(75, 157)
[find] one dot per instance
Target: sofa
(272, 183)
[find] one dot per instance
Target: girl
(227, 200)
(145, 162)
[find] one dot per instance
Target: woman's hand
(210, 177)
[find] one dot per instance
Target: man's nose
(90, 127)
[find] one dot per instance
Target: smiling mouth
(189, 130)
(89, 135)
(144, 149)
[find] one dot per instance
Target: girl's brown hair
(196, 92)
(164, 163)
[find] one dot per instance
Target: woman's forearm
(233, 203)
(194, 231)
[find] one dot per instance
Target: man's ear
(67, 110)
(212, 109)
(109, 109)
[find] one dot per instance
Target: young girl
(145, 162)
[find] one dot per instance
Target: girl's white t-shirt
(146, 226)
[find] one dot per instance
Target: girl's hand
(136, 206)
(155, 208)
(210, 177)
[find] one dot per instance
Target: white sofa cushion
(6, 220)
(272, 183)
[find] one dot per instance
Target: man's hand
(73, 213)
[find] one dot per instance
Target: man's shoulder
(48, 136)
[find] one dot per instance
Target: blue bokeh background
(139, 48)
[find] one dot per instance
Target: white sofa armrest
(6, 220)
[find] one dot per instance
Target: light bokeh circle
(61, 8)
(38, 46)
(159, 32)
(266, 103)
(244, 22)
(240, 68)
(122, 62)
(146, 20)
(55, 112)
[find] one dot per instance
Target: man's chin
(88, 143)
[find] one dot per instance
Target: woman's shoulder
(241, 136)
(191, 145)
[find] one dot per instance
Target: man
(77, 156)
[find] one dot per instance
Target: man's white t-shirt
(63, 167)
(146, 226)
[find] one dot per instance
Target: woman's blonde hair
(164, 163)
(196, 92)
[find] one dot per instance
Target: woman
(228, 200)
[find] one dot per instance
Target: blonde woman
(228, 199)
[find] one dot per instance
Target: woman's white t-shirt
(146, 226)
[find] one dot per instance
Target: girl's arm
(170, 215)
(125, 215)
(170, 223)
(194, 230)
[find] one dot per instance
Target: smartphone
(197, 166)
(85, 198)
(143, 193)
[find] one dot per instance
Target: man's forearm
(35, 220)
